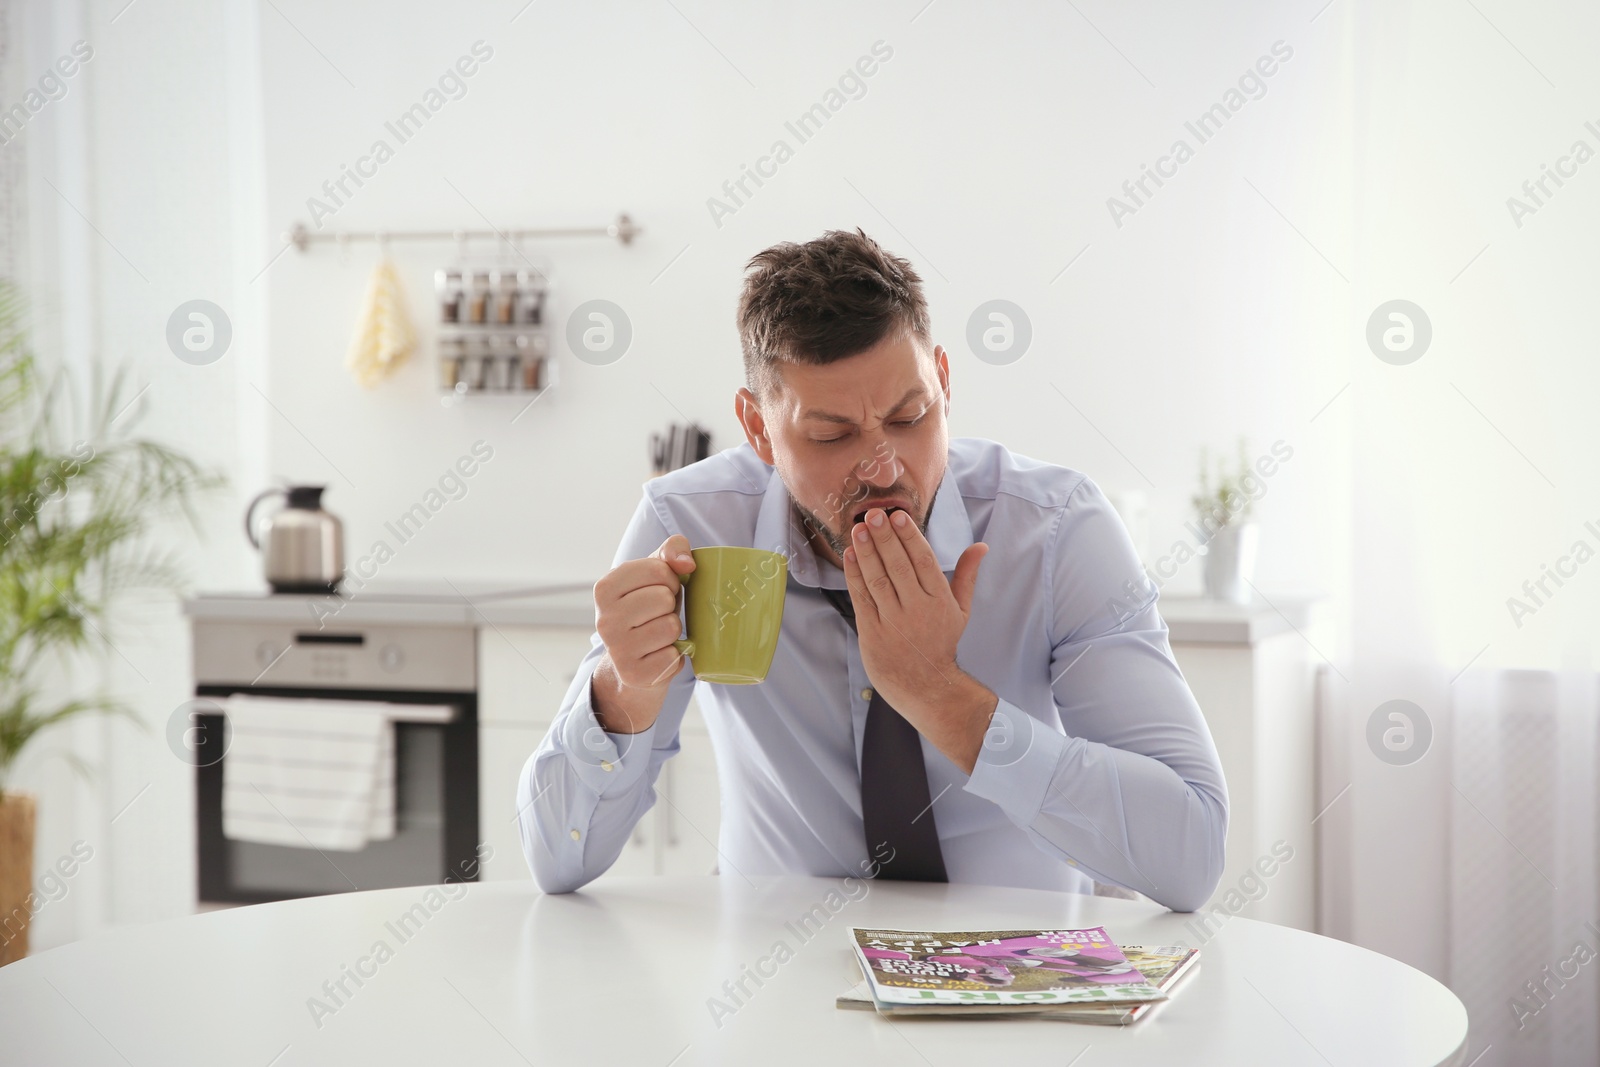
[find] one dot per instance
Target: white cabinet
(1253, 672)
(502, 750)
(686, 829)
(524, 671)
(523, 674)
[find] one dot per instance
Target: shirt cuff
(606, 762)
(1017, 763)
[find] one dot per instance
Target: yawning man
(972, 682)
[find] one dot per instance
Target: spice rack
(486, 355)
(492, 335)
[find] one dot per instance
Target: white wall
(989, 157)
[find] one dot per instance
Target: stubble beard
(812, 525)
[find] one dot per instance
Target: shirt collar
(777, 530)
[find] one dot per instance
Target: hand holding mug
(636, 615)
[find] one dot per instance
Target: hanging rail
(623, 229)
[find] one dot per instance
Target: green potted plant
(1223, 510)
(75, 512)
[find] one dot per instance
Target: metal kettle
(301, 545)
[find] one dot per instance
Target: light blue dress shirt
(1098, 764)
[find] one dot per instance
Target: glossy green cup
(733, 608)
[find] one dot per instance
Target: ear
(750, 419)
(941, 360)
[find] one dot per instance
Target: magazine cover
(1025, 968)
(1163, 965)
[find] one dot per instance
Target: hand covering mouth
(889, 508)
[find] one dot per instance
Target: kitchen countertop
(440, 603)
(1190, 620)
(1193, 620)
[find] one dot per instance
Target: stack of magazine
(1076, 975)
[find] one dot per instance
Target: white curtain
(13, 162)
(1523, 858)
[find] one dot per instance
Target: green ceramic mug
(733, 608)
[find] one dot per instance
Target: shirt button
(576, 835)
(866, 694)
(605, 765)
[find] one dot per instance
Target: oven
(436, 763)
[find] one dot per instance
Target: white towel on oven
(309, 773)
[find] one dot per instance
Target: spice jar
(534, 370)
(448, 285)
(497, 364)
(449, 362)
(530, 298)
(503, 295)
(478, 299)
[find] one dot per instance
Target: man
(1023, 726)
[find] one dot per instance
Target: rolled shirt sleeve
(1120, 777)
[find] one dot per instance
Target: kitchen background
(1232, 299)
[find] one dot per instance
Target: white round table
(624, 972)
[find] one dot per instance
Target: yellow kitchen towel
(384, 337)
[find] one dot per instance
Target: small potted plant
(75, 512)
(1223, 512)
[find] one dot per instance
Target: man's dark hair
(822, 301)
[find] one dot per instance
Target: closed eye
(903, 423)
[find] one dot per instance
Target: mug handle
(683, 644)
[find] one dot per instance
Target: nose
(877, 471)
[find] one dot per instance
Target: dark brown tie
(895, 807)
